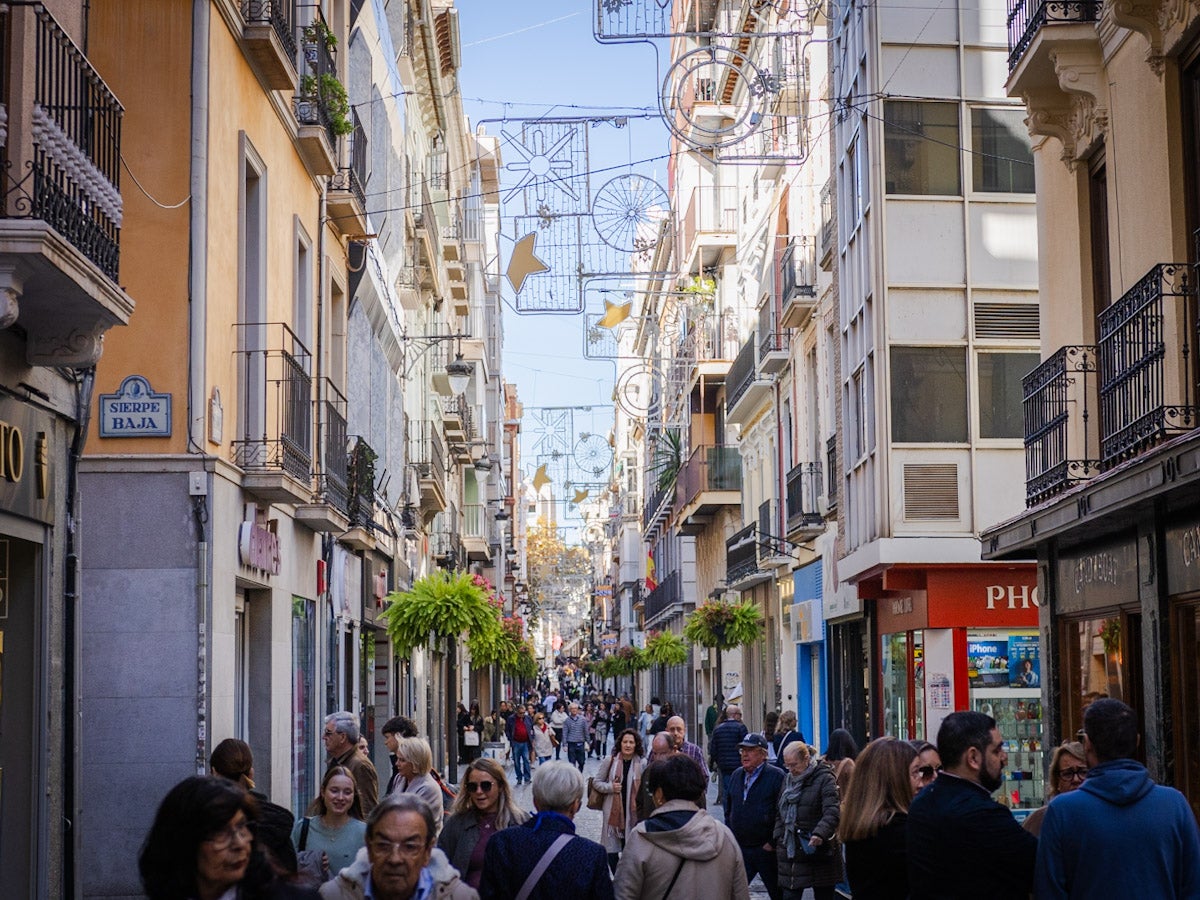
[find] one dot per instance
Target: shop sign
(1100, 575)
(26, 440)
(1183, 558)
(135, 411)
(608, 641)
(983, 596)
(258, 547)
(1005, 659)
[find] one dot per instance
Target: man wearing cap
(751, 805)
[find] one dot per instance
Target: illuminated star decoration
(524, 262)
(615, 314)
(540, 478)
(579, 497)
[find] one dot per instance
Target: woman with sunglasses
(484, 805)
(875, 817)
(926, 766)
(1068, 771)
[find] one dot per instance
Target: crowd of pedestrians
(897, 820)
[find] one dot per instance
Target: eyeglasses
(385, 848)
(223, 839)
(329, 734)
(928, 772)
(1078, 774)
(483, 786)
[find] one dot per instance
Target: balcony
(746, 390)
(708, 227)
(1060, 431)
(1028, 17)
(831, 466)
(710, 480)
(320, 103)
(275, 414)
(360, 481)
(1147, 363)
(797, 274)
(658, 509)
(475, 533)
(270, 43)
(773, 340)
(458, 421)
(709, 345)
(347, 200)
(742, 557)
(828, 226)
(446, 542)
(667, 595)
(428, 456)
(60, 218)
(804, 488)
(330, 509)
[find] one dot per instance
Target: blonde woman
(484, 806)
(414, 760)
(875, 817)
(1068, 770)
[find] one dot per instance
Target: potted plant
(724, 626)
(663, 649)
(441, 606)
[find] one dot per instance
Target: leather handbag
(595, 799)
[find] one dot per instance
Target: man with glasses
(961, 842)
(399, 861)
(341, 745)
(1119, 834)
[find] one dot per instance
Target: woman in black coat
(806, 847)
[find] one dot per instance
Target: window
(1001, 411)
(929, 395)
(921, 142)
(1001, 158)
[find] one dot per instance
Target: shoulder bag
(543, 864)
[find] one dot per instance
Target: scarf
(616, 813)
(789, 806)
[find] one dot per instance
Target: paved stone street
(587, 822)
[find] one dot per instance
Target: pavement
(587, 821)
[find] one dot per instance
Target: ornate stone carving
(1142, 18)
(11, 286)
(78, 348)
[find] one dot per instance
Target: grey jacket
(460, 834)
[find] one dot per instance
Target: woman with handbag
(542, 738)
(328, 839)
(472, 734)
(620, 778)
(806, 849)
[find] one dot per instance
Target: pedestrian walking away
(723, 747)
(558, 719)
(874, 819)
(1119, 834)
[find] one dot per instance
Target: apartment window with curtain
(1001, 152)
(921, 147)
(929, 395)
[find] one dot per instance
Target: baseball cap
(754, 740)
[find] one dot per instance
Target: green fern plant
(441, 606)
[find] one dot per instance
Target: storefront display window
(1187, 701)
(1101, 659)
(903, 684)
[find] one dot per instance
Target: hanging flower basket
(440, 606)
(665, 648)
(724, 625)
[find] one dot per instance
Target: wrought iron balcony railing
(279, 14)
(1147, 363)
(1060, 407)
(797, 270)
(276, 414)
(827, 219)
(656, 504)
(742, 372)
(668, 593)
(804, 487)
(831, 466)
(313, 103)
(710, 210)
(428, 454)
(1026, 17)
(334, 479)
(709, 468)
(361, 483)
(62, 143)
(741, 554)
(771, 337)
(352, 177)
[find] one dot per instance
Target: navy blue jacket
(723, 746)
(752, 820)
(580, 871)
(1119, 835)
(962, 843)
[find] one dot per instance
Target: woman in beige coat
(681, 851)
(620, 778)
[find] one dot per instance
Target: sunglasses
(928, 772)
(483, 786)
(1073, 774)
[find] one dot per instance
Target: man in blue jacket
(961, 842)
(751, 806)
(723, 745)
(1120, 834)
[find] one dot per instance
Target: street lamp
(458, 373)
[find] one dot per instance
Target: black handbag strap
(304, 832)
(667, 892)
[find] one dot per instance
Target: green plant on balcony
(327, 91)
(319, 32)
(668, 457)
(724, 626)
(700, 293)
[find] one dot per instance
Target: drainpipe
(197, 345)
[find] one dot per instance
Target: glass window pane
(929, 395)
(1001, 157)
(921, 147)
(894, 653)
(1000, 396)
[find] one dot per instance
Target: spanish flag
(651, 581)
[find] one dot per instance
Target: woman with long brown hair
(874, 820)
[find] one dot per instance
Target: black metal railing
(353, 176)
(1146, 390)
(63, 150)
(827, 219)
(279, 14)
(741, 554)
(710, 337)
(312, 103)
(334, 482)
(361, 483)
(428, 454)
(709, 468)
(803, 488)
(741, 372)
(1059, 402)
(1026, 17)
(831, 466)
(797, 270)
(771, 338)
(668, 593)
(656, 504)
(277, 401)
